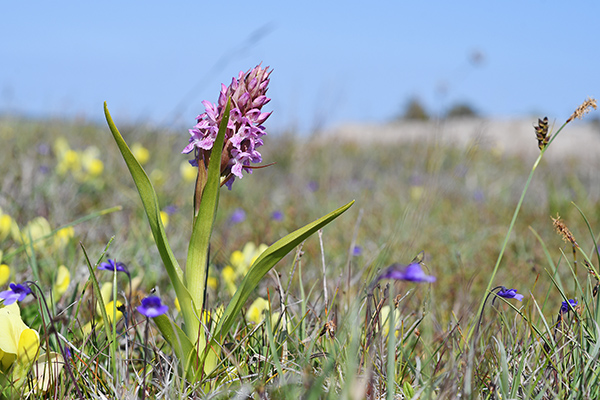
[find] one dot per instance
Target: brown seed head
(541, 132)
(562, 229)
(583, 109)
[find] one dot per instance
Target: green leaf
(150, 203)
(197, 259)
(265, 262)
(181, 345)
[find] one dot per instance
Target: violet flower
(244, 129)
(277, 215)
(509, 294)
(565, 308)
(412, 272)
(152, 307)
(17, 292)
(113, 265)
(237, 216)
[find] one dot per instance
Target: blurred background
(335, 62)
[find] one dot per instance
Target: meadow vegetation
(319, 324)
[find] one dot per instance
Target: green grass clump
(323, 329)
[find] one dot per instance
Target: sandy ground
(578, 140)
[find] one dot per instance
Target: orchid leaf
(180, 343)
(150, 203)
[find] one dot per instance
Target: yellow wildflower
(63, 236)
(188, 173)
(110, 313)
(6, 223)
(212, 282)
(61, 284)
(18, 343)
(164, 217)
(35, 229)
(228, 275)
(383, 317)
(140, 153)
(4, 273)
(256, 310)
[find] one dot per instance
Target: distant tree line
(416, 111)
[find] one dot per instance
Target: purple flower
(244, 129)
(152, 307)
(357, 251)
(17, 292)
(313, 186)
(509, 294)
(170, 209)
(238, 215)
(412, 272)
(564, 308)
(112, 265)
(277, 215)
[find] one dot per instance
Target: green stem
(514, 220)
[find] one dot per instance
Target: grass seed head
(583, 109)
(541, 132)
(562, 229)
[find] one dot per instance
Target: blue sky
(333, 62)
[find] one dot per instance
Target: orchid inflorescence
(244, 129)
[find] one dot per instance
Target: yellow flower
(228, 275)
(35, 229)
(212, 282)
(177, 306)
(383, 317)
(6, 223)
(4, 273)
(92, 165)
(188, 173)
(95, 167)
(140, 153)
(240, 262)
(69, 162)
(109, 311)
(63, 237)
(18, 343)
(164, 217)
(61, 284)
(256, 310)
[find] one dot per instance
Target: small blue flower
(237, 216)
(17, 292)
(411, 272)
(277, 215)
(112, 265)
(152, 307)
(509, 294)
(357, 251)
(564, 308)
(313, 186)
